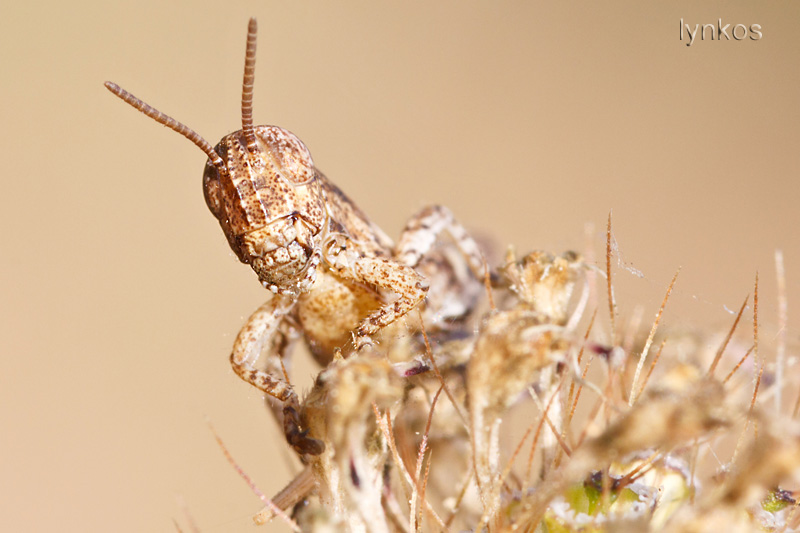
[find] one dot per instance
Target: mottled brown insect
(332, 271)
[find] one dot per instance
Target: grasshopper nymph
(329, 267)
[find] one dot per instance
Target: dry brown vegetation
(525, 414)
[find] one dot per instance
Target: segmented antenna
(169, 122)
(247, 87)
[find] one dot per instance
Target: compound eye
(212, 191)
(296, 161)
(289, 155)
(297, 165)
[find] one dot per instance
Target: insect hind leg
(426, 227)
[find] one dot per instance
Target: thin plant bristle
(427, 464)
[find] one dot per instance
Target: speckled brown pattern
(336, 277)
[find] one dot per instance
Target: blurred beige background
(121, 297)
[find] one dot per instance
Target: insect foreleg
(261, 335)
(381, 273)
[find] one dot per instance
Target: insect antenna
(247, 87)
(169, 122)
